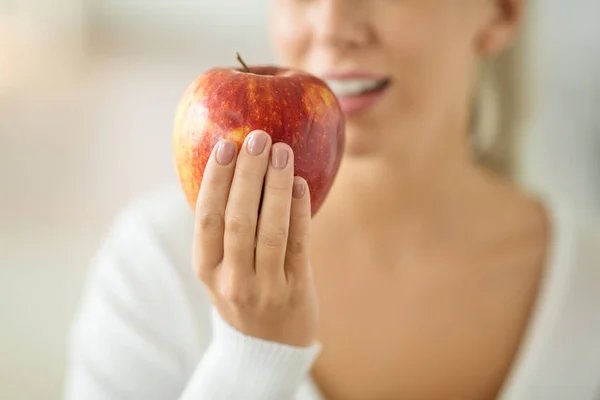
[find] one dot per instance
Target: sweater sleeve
(237, 366)
(136, 335)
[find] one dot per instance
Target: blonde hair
(503, 102)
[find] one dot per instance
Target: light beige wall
(85, 125)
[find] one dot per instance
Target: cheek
(416, 61)
(290, 37)
(422, 41)
(431, 53)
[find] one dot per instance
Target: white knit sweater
(146, 330)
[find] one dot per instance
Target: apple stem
(239, 58)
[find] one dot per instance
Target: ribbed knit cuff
(240, 367)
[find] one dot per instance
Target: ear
(504, 18)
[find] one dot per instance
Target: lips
(357, 92)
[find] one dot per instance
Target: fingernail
(257, 143)
(279, 157)
(298, 190)
(226, 152)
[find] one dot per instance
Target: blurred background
(88, 90)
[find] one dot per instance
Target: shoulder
(575, 241)
(144, 319)
(163, 212)
(142, 274)
(152, 237)
(558, 358)
(573, 268)
(155, 228)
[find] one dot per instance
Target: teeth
(352, 87)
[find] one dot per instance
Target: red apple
(292, 106)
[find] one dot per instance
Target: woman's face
(403, 70)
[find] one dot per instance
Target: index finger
(210, 207)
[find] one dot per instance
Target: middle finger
(241, 213)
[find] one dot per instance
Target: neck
(386, 206)
(379, 186)
(424, 163)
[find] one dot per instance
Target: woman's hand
(251, 246)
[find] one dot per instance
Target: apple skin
(292, 106)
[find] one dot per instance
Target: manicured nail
(257, 143)
(226, 152)
(299, 188)
(279, 157)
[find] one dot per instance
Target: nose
(340, 23)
